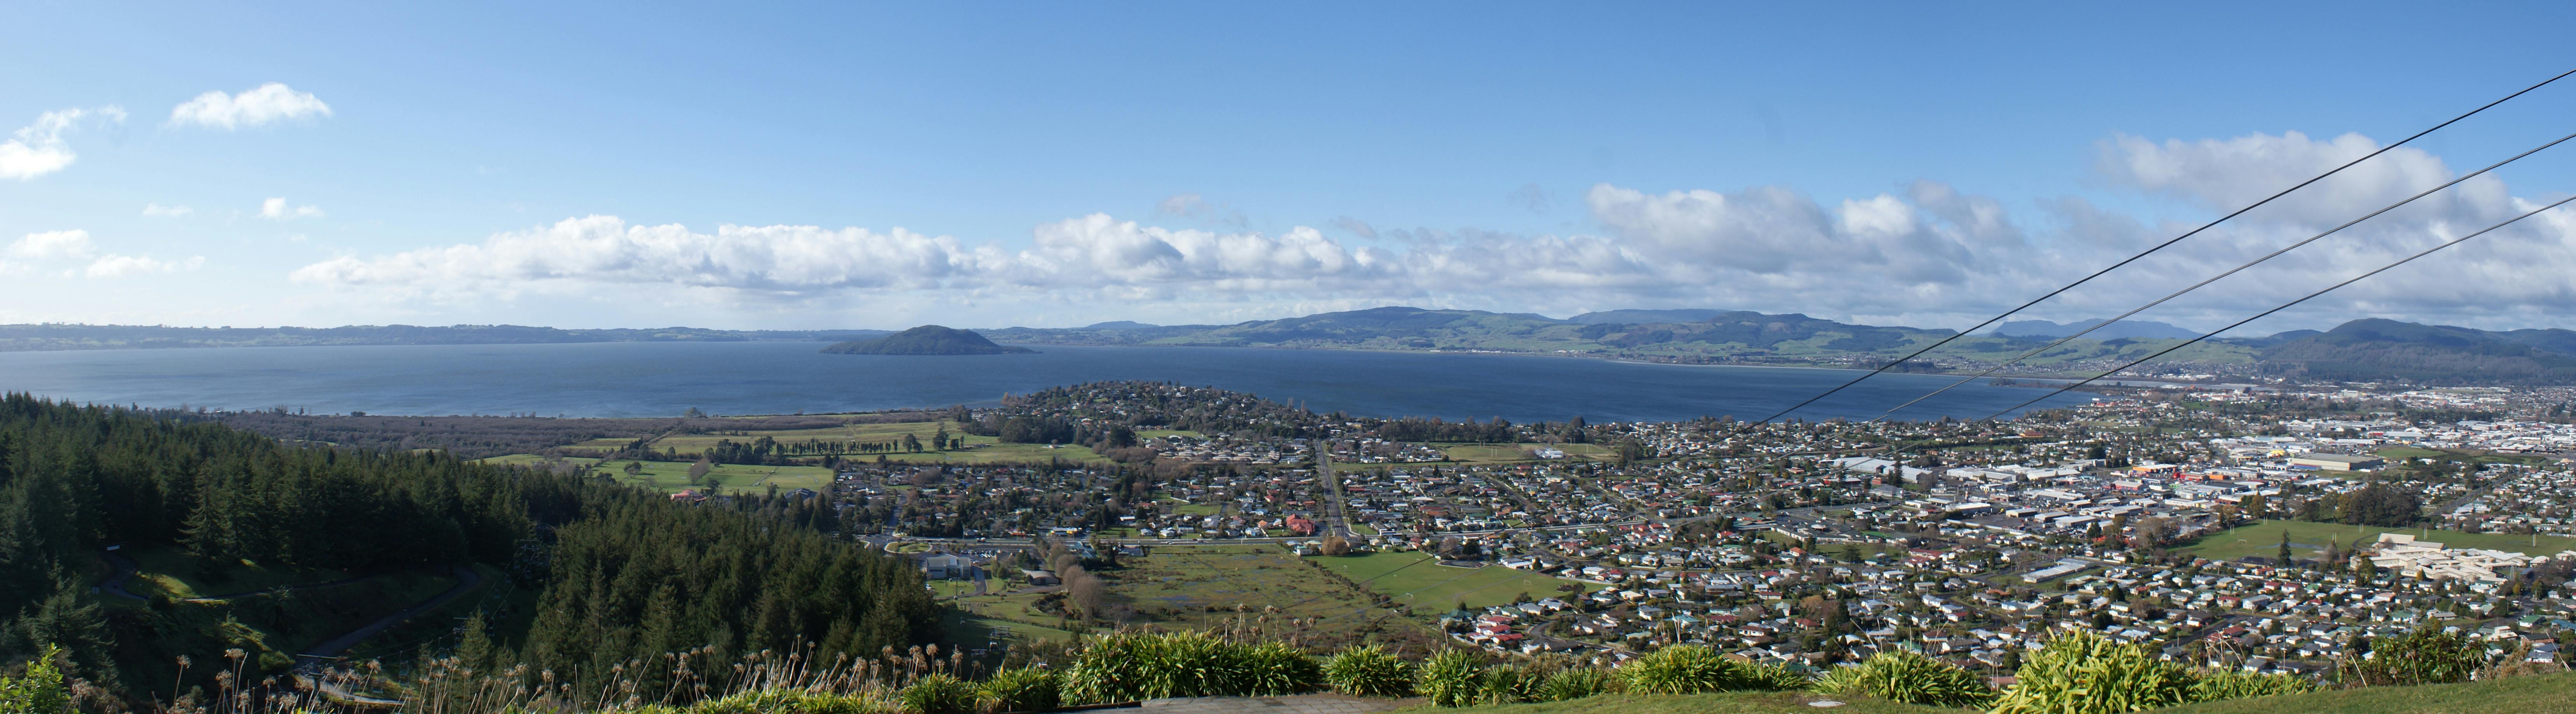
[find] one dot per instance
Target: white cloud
(276, 209)
(155, 209)
(38, 149)
(268, 103)
(116, 266)
(52, 244)
(1928, 254)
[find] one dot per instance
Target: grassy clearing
(535, 460)
(1720, 703)
(1160, 433)
(970, 630)
(1428, 586)
(2308, 540)
(2542, 693)
(175, 573)
(673, 476)
(1179, 584)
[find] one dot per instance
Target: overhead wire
(2152, 250)
(2261, 315)
(2215, 278)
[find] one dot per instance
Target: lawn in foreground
(2541, 693)
(1432, 586)
(2308, 540)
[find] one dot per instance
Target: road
(466, 580)
(1337, 509)
(115, 584)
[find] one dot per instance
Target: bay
(658, 379)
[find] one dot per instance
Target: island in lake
(926, 340)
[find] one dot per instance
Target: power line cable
(2152, 251)
(2265, 313)
(2215, 278)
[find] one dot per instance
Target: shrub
(1021, 690)
(2425, 656)
(1510, 684)
(1576, 683)
(1369, 672)
(40, 689)
(788, 701)
(2084, 673)
(1453, 678)
(2214, 686)
(1275, 668)
(1772, 677)
(1129, 666)
(1910, 678)
(939, 694)
(1693, 669)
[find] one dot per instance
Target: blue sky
(1054, 165)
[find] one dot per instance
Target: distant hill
(1118, 325)
(1636, 316)
(926, 340)
(2124, 329)
(44, 337)
(2377, 350)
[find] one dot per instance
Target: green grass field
(1177, 584)
(2308, 539)
(673, 476)
(535, 460)
(1490, 453)
(1432, 586)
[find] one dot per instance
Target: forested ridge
(619, 574)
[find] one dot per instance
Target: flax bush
(1369, 672)
(1693, 669)
(1576, 683)
(939, 693)
(1454, 678)
(1910, 678)
(1130, 666)
(2084, 673)
(1021, 690)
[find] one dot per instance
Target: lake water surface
(637, 379)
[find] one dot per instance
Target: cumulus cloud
(116, 266)
(277, 210)
(38, 149)
(265, 104)
(1925, 253)
(52, 244)
(155, 209)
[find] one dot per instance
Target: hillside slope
(926, 340)
(2388, 350)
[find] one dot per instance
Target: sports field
(1518, 452)
(1405, 577)
(2307, 540)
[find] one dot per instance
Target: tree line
(621, 574)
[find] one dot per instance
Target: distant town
(2256, 528)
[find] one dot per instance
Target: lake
(657, 379)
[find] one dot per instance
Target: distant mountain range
(2131, 329)
(2361, 350)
